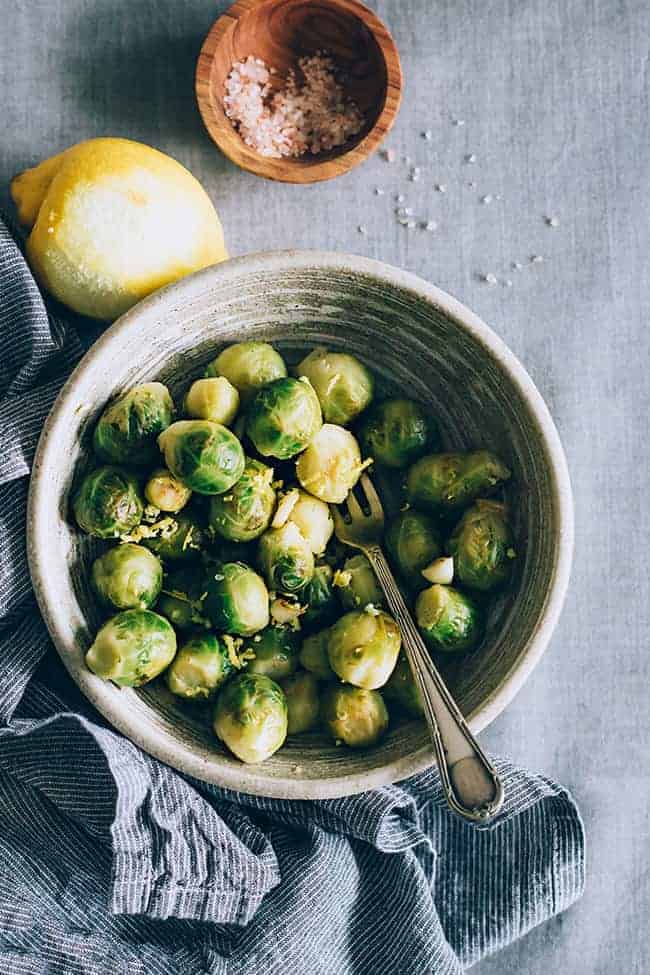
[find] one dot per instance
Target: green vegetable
(127, 577)
(363, 648)
(199, 668)
(319, 598)
(448, 619)
(245, 511)
(166, 492)
(213, 399)
(286, 559)
(303, 705)
(132, 648)
(396, 432)
(331, 465)
(174, 538)
(206, 456)
(237, 600)
(358, 586)
(446, 482)
(402, 688)
(275, 652)
(482, 546)
(248, 366)
(180, 600)
(413, 541)
(108, 503)
(314, 656)
(283, 417)
(354, 716)
(250, 717)
(127, 429)
(343, 384)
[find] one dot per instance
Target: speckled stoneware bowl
(419, 341)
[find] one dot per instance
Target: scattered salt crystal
(470, 158)
(400, 197)
(536, 259)
(472, 184)
(487, 198)
(379, 191)
(429, 225)
(490, 278)
(508, 283)
(428, 135)
(362, 229)
(516, 266)
(411, 225)
(498, 197)
(414, 175)
(458, 121)
(441, 187)
(50, 230)
(389, 155)
(552, 221)
(407, 160)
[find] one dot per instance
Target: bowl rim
(170, 749)
(287, 170)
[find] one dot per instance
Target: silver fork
(470, 781)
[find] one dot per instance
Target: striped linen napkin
(112, 862)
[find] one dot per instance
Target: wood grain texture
(280, 32)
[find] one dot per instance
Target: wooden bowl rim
(288, 170)
(111, 702)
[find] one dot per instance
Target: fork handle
(471, 783)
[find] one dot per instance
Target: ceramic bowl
(417, 340)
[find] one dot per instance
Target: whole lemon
(113, 220)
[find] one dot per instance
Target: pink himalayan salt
(313, 116)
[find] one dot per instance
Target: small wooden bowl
(280, 32)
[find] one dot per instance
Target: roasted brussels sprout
(245, 511)
(331, 465)
(248, 366)
(180, 600)
(127, 577)
(127, 429)
(286, 559)
(199, 668)
(314, 656)
(313, 518)
(357, 584)
(166, 492)
(237, 600)
(303, 705)
(402, 688)
(108, 503)
(413, 541)
(319, 597)
(174, 538)
(363, 648)
(276, 652)
(446, 482)
(250, 717)
(482, 546)
(206, 456)
(448, 619)
(213, 399)
(354, 716)
(132, 648)
(343, 384)
(283, 417)
(396, 432)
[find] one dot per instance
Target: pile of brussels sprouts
(224, 575)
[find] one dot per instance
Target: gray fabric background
(554, 98)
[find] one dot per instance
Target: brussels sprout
(108, 503)
(314, 521)
(396, 432)
(403, 689)
(482, 546)
(446, 482)
(199, 668)
(353, 715)
(275, 652)
(357, 584)
(413, 541)
(127, 577)
(245, 511)
(132, 648)
(283, 417)
(303, 706)
(286, 559)
(331, 465)
(180, 600)
(363, 648)
(448, 619)
(343, 385)
(166, 492)
(319, 598)
(237, 600)
(250, 717)
(127, 429)
(213, 399)
(175, 538)
(314, 656)
(206, 456)
(248, 366)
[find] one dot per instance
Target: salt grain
(362, 229)
(441, 187)
(399, 197)
(516, 266)
(470, 158)
(552, 221)
(429, 225)
(379, 191)
(487, 198)
(536, 259)
(490, 278)
(428, 135)
(458, 121)
(389, 155)
(508, 283)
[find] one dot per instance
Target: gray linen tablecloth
(112, 862)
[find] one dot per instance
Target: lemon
(113, 220)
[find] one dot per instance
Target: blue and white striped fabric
(112, 862)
